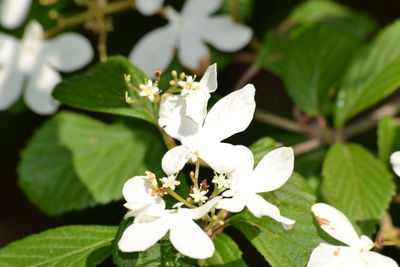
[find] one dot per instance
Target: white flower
(230, 115)
(356, 254)
(272, 172)
(221, 181)
(170, 182)
(185, 235)
(395, 161)
(188, 32)
(188, 86)
(199, 196)
(144, 204)
(13, 12)
(38, 60)
(149, 90)
(148, 7)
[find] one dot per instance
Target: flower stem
(179, 198)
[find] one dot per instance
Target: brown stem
(278, 121)
(307, 146)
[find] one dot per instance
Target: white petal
(200, 8)
(243, 170)
(13, 12)
(234, 204)
(138, 193)
(175, 159)
(38, 92)
(189, 239)
(11, 82)
(68, 52)
(221, 157)
(209, 79)
(8, 49)
(193, 52)
(148, 7)
(31, 48)
(274, 169)
(173, 118)
(231, 114)
(335, 223)
(154, 50)
(199, 212)
(260, 207)
(196, 105)
(395, 161)
(224, 34)
(375, 259)
(141, 236)
(334, 256)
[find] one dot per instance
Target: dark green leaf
(373, 74)
(356, 183)
(102, 88)
(284, 247)
(69, 246)
(227, 253)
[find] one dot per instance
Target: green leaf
(373, 74)
(356, 183)
(314, 64)
(261, 147)
(72, 246)
(102, 88)
(284, 247)
(160, 254)
(227, 253)
(388, 133)
(73, 154)
(239, 10)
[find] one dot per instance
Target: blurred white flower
(144, 204)
(356, 254)
(272, 172)
(37, 60)
(13, 12)
(230, 115)
(185, 235)
(188, 31)
(148, 7)
(395, 161)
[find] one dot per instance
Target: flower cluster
(235, 184)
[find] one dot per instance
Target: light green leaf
(73, 154)
(102, 88)
(69, 246)
(160, 254)
(227, 253)
(261, 147)
(284, 247)
(356, 183)
(388, 133)
(373, 74)
(314, 64)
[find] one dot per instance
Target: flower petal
(260, 207)
(230, 115)
(11, 82)
(175, 159)
(335, 223)
(200, 8)
(209, 79)
(243, 170)
(193, 52)
(375, 259)
(154, 50)
(274, 169)
(333, 256)
(173, 118)
(199, 212)
(68, 52)
(141, 236)
(148, 7)
(224, 34)
(13, 13)
(189, 239)
(234, 204)
(31, 48)
(38, 92)
(221, 157)
(196, 105)
(395, 161)
(138, 193)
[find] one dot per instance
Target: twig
(278, 121)
(307, 146)
(247, 76)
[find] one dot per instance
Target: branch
(247, 76)
(307, 146)
(278, 121)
